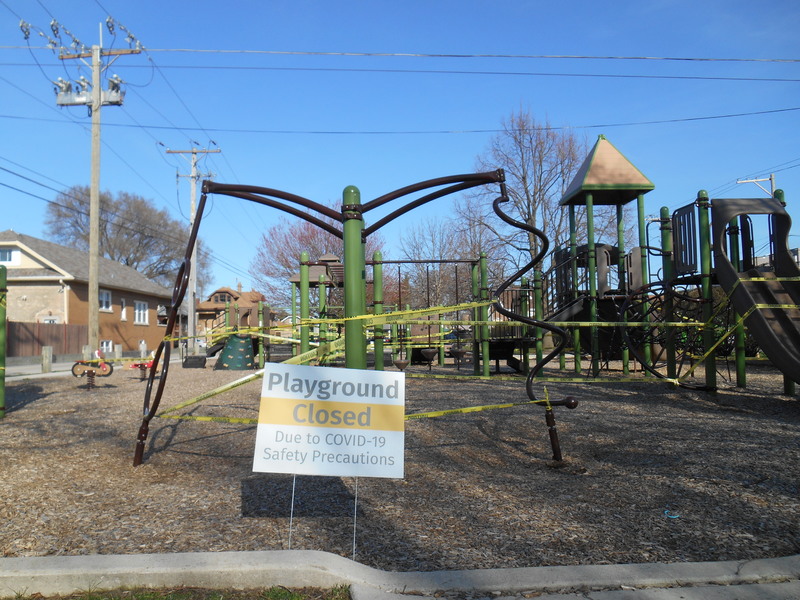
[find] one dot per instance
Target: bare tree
(277, 258)
(429, 240)
(438, 275)
(540, 162)
(133, 232)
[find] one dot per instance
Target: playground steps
(783, 321)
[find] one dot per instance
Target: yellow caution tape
(468, 409)
(408, 417)
(234, 420)
(214, 392)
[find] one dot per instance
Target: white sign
(329, 421)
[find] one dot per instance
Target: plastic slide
(775, 321)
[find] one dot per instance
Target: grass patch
(341, 592)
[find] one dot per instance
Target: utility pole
(771, 180)
(192, 308)
(65, 96)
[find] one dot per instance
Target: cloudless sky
(284, 90)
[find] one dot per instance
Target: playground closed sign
(328, 421)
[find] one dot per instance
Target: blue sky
(269, 83)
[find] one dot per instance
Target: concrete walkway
(19, 372)
(777, 578)
(34, 371)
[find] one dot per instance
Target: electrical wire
(481, 73)
(135, 227)
(421, 131)
(519, 56)
(154, 68)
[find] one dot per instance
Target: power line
(420, 132)
(554, 57)
(513, 56)
(160, 68)
(158, 234)
(112, 26)
(431, 131)
(485, 73)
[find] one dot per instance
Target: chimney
(239, 287)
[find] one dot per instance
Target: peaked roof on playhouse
(608, 176)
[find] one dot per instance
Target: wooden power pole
(95, 100)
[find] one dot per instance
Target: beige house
(48, 284)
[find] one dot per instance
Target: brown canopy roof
(608, 176)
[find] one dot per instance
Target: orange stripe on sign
(340, 415)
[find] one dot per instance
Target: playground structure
(681, 302)
(596, 300)
(353, 232)
(660, 306)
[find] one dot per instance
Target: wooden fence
(27, 339)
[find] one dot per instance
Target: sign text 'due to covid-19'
(328, 421)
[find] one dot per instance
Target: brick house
(48, 284)
(243, 307)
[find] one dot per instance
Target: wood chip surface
(651, 473)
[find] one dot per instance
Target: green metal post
(267, 341)
(739, 333)
(294, 318)
(704, 225)
(408, 340)
(647, 350)
(476, 316)
(363, 257)
(227, 316)
(440, 329)
(305, 308)
(322, 309)
(591, 265)
(538, 312)
(3, 323)
(355, 343)
(377, 293)
(485, 316)
(524, 309)
(621, 280)
(395, 342)
(788, 382)
(260, 335)
(669, 273)
(573, 252)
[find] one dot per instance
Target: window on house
(123, 310)
(161, 314)
(105, 300)
(5, 255)
(107, 347)
(140, 312)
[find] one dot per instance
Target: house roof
(608, 176)
(252, 297)
(243, 299)
(70, 264)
